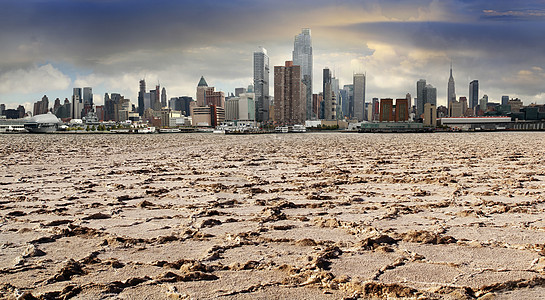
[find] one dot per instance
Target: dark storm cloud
(216, 38)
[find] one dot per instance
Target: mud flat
(302, 216)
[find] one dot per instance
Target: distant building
(302, 56)
(375, 110)
(240, 108)
(516, 105)
(239, 91)
(430, 94)
(77, 103)
(386, 110)
(483, 103)
(349, 89)
(289, 95)
(163, 97)
(316, 105)
(181, 104)
(359, 96)
(207, 116)
(457, 109)
(402, 110)
(207, 96)
(504, 100)
(64, 110)
(261, 85)
(430, 115)
(41, 107)
(330, 103)
(451, 92)
(420, 85)
(473, 94)
(141, 94)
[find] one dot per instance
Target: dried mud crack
(321, 216)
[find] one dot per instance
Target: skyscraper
(451, 93)
(202, 86)
(329, 96)
(141, 94)
(420, 85)
(157, 100)
(430, 94)
(42, 106)
(289, 95)
(359, 97)
(88, 96)
(164, 97)
(261, 85)
(349, 88)
(473, 94)
(504, 100)
(77, 103)
(387, 110)
(302, 56)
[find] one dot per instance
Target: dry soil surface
(300, 216)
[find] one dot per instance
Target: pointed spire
(202, 82)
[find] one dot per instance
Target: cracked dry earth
(299, 216)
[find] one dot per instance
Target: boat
(281, 129)
(297, 128)
(146, 130)
(169, 130)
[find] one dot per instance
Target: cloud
(33, 80)
(111, 44)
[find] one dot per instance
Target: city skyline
(55, 46)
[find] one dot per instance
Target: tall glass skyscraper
(302, 56)
(420, 85)
(261, 84)
(473, 94)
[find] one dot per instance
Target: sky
(48, 47)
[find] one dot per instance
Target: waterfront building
(386, 110)
(359, 96)
(289, 95)
(402, 110)
(241, 108)
(374, 110)
(207, 116)
(430, 115)
(515, 104)
(302, 56)
(261, 85)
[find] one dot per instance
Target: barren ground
(299, 216)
